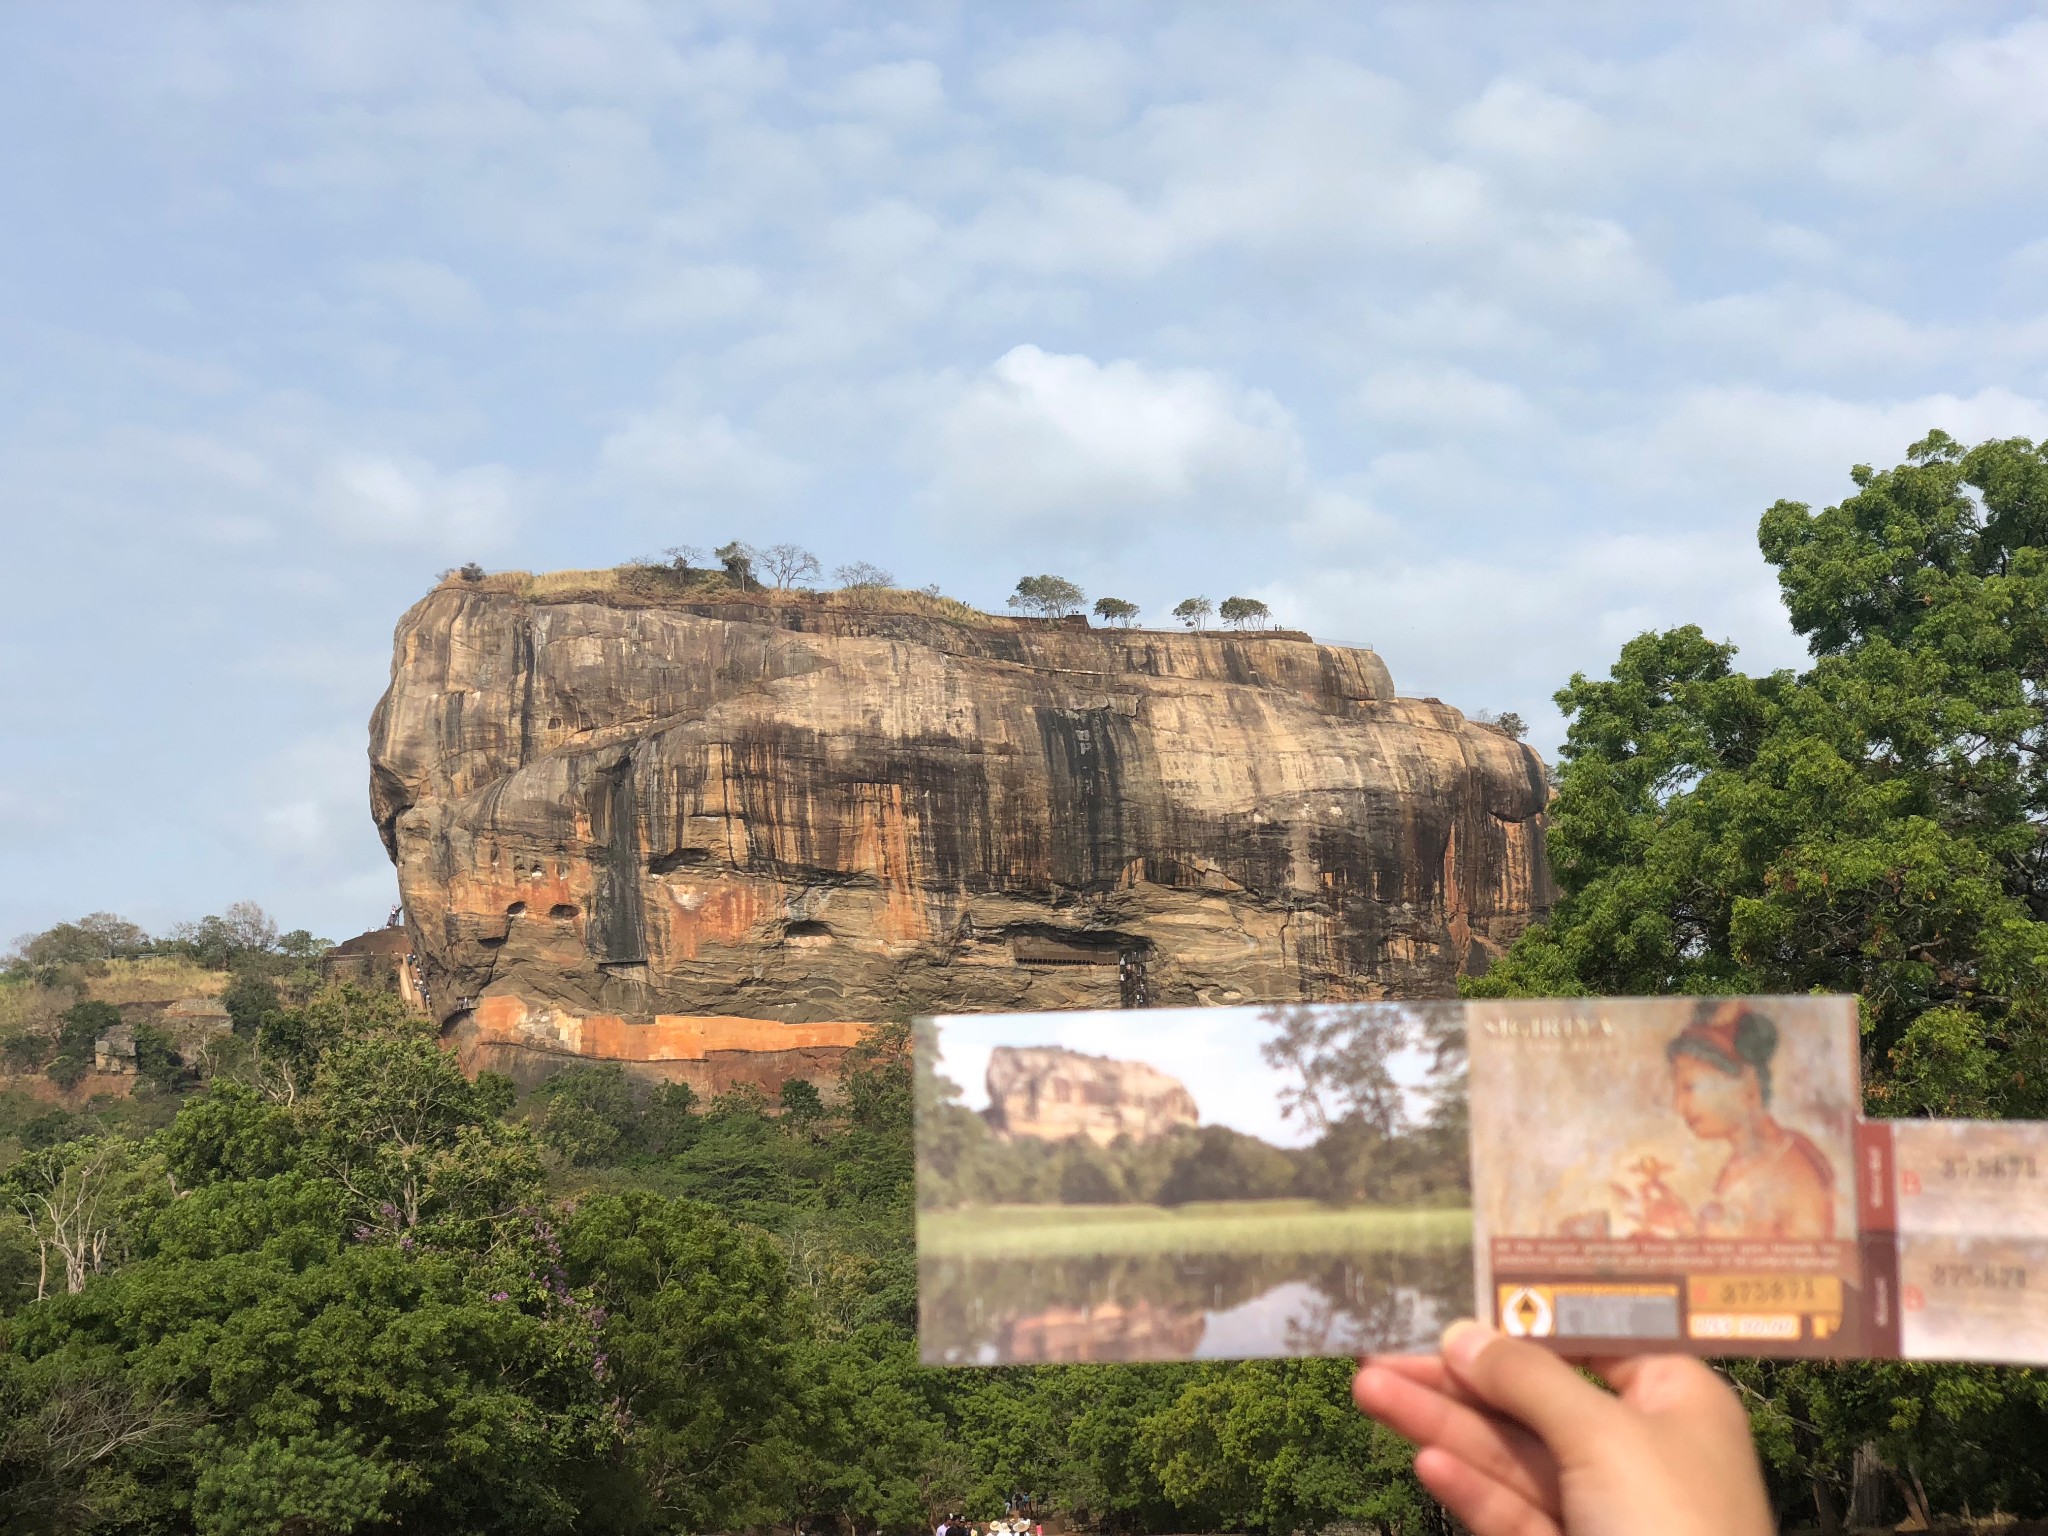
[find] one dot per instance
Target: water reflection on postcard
(1187, 1307)
(1188, 1184)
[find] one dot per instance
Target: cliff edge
(655, 828)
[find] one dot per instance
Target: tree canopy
(1049, 597)
(1875, 824)
(786, 564)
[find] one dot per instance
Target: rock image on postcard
(1199, 1183)
(1675, 1170)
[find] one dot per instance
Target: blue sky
(1478, 333)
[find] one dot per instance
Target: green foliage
(802, 1104)
(78, 1027)
(250, 1000)
(738, 562)
(340, 1294)
(1193, 611)
(1875, 824)
(591, 1116)
(157, 1063)
(96, 937)
(1049, 597)
(1244, 613)
(1116, 610)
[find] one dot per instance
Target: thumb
(1527, 1382)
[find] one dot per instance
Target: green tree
(1050, 597)
(1245, 613)
(157, 1062)
(395, 1124)
(250, 1000)
(738, 562)
(1276, 1446)
(1115, 610)
(591, 1116)
(78, 1027)
(696, 1340)
(96, 937)
(1193, 611)
(1875, 824)
(802, 1105)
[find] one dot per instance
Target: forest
(321, 1282)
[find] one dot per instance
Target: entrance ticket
(1694, 1174)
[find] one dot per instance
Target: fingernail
(1464, 1339)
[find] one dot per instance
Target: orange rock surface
(630, 814)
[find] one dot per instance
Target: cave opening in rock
(676, 858)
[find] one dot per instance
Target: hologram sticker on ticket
(1672, 1173)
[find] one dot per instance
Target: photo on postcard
(1669, 1169)
(1191, 1183)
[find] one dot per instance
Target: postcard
(1191, 1183)
(1671, 1172)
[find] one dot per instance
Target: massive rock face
(1051, 1094)
(618, 816)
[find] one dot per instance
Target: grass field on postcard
(1224, 1226)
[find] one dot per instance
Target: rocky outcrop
(1051, 1094)
(611, 804)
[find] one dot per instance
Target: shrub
(1050, 597)
(861, 576)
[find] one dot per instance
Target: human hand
(1514, 1442)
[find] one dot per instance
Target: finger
(1504, 1452)
(1530, 1384)
(1428, 1371)
(1425, 1370)
(1487, 1508)
(1667, 1383)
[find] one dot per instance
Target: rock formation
(1051, 1094)
(650, 826)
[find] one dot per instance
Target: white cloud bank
(1044, 441)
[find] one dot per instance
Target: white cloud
(391, 498)
(308, 798)
(1505, 632)
(1066, 80)
(904, 94)
(682, 297)
(426, 292)
(1742, 447)
(1531, 131)
(1441, 397)
(1798, 331)
(1045, 440)
(699, 460)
